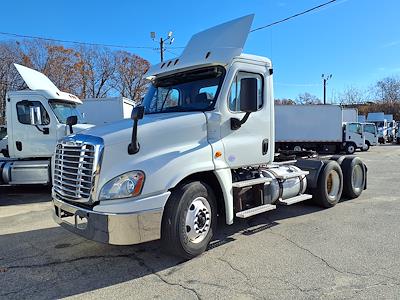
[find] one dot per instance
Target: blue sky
(358, 41)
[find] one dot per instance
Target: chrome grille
(76, 165)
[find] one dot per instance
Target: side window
(24, 114)
(355, 128)
(234, 93)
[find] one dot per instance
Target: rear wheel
(190, 219)
(354, 177)
(330, 185)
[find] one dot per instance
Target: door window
(24, 114)
(234, 93)
(355, 128)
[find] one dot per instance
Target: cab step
(296, 199)
(251, 182)
(255, 211)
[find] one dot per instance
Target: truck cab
(378, 118)
(371, 134)
(353, 136)
(36, 120)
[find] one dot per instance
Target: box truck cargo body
(99, 111)
(350, 115)
(316, 127)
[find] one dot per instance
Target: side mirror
(248, 95)
(248, 101)
(137, 114)
(71, 121)
(35, 115)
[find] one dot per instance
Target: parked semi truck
(378, 118)
(201, 146)
(316, 127)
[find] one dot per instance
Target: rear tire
(189, 220)
(330, 185)
(353, 176)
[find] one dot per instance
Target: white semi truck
(378, 118)
(317, 127)
(201, 146)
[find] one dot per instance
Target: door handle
(265, 146)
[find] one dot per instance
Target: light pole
(162, 41)
(325, 79)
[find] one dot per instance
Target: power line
(77, 42)
(294, 16)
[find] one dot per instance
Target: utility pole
(169, 38)
(325, 79)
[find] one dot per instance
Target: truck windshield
(195, 90)
(370, 128)
(63, 110)
(380, 123)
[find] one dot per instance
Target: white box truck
(201, 146)
(100, 111)
(316, 127)
(378, 118)
(350, 115)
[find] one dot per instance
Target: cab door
(251, 143)
(29, 141)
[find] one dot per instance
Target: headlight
(126, 185)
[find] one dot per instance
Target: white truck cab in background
(201, 146)
(391, 128)
(36, 120)
(371, 134)
(378, 118)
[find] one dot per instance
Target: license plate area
(78, 219)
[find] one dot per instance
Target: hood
(81, 127)
(121, 131)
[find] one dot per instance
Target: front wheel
(366, 147)
(190, 219)
(350, 148)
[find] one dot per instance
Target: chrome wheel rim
(357, 178)
(297, 148)
(198, 220)
(332, 184)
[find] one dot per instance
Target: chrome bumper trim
(115, 229)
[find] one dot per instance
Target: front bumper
(110, 228)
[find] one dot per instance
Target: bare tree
(285, 101)
(352, 95)
(387, 90)
(129, 78)
(307, 98)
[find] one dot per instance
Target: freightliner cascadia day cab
(36, 120)
(317, 127)
(201, 146)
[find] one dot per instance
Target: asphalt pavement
(298, 252)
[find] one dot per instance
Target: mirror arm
(44, 130)
(134, 146)
(236, 123)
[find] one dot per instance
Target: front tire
(367, 145)
(189, 220)
(350, 148)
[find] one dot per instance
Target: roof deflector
(219, 44)
(36, 80)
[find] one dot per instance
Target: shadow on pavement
(24, 194)
(53, 263)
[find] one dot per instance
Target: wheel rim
(297, 148)
(357, 178)
(350, 149)
(198, 220)
(333, 184)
